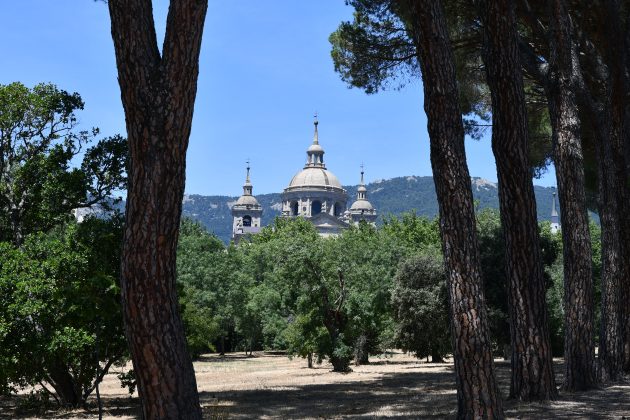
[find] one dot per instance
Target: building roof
(314, 177)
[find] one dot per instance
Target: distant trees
(420, 306)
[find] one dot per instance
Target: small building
(246, 213)
(555, 219)
(362, 209)
(314, 193)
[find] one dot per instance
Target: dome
(246, 200)
(315, 148)
(361, 188)
(361, 205)
(314, 177)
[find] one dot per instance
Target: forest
(547, 80)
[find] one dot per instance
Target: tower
(246, 212)
(362, 209)
(315, 193)
(555, 220)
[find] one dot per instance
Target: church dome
(315, 148)
(246, 200)
(361, 205)
(314, 177)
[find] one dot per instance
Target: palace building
(314, 193)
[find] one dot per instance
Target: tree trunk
(361, 354)
(158, 94)
(616, 60)
(579, 348)
(64, 385)
(610, 352)
(477, 392)
(532, 364)
(436, 357)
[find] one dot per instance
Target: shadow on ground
(426, 394)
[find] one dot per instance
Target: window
(294, 208)
(247, 220)
(338, 209)
(316, 208)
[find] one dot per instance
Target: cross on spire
(316, 135)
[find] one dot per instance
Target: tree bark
(579, 348)
(158, 94)
(617, 61)
(477, 392)
(610, 352)
(532, 364)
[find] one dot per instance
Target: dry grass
(269, 387)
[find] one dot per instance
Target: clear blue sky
(265, 69)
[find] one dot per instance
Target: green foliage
(38, 141)
(206, 275)
(420, 304)
(492, 253)
(60, 315)
(416, 232)
(373, 51)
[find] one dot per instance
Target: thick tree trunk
(532, 363)
(620, 139)
(158, 94)
(610, 352)
(579, 348)
(477, 392)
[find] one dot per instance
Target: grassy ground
(267, 387)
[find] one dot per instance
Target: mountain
(389, 197)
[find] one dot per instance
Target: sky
(265, 70)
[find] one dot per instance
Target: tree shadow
(401, 395)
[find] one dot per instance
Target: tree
(420, 304)
(200, 276)
(60, 319)
(424, 26)
(302, 261)
(38, 140)
(532, 362)
(158, 93)
(579, 347)
(368, 258)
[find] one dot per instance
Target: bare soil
(396, 385)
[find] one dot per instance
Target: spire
(362, 191)
(555, 220)
(247, 187)
(315, 152)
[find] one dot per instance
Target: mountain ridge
(392, 196)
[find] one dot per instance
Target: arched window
(247, 220)
(316, 208)
(338, 209)
(294, 208)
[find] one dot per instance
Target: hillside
(392, 196)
